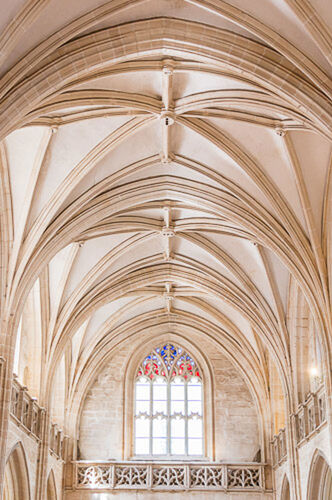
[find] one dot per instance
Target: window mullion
(186, 416)
(168, 417)
(151, 419)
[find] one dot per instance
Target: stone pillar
(41, 480)
(6, 379)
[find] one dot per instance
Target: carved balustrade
(57, 440)
(169, 476)
(29, 416)
(279, 448)
(310, 416)
(25, 410)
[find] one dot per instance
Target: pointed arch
(16, 481)
(320, 478)
(285, 493)
(51, 487)
(206, 373)
(159, 35)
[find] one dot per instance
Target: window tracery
(168, 404)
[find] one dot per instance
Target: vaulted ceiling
(165, 164)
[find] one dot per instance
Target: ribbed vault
(166, 170)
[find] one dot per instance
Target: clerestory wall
(236, 435)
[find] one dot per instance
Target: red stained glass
(169, 361)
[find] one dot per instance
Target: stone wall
(306, 451)
(321, 441)
(235, 418)
(101, 423)
(279, 476)
(56, 465)
(30, 447)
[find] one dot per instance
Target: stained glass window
(168, 404)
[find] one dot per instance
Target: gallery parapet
(169, 476)
(25, 410)
(311, 416)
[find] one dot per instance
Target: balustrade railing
(162, 476)
(279, 448)
(26, 410)
(28, 414)
(310, 416)
(57, 440)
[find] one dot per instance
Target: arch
(305, 345)
(131, 369)
(28, 342)
(16, 481)
(89, 21)
(320, 478)
(168, 400)
(160, 34)
(180, 328)
(285, 492)
(51, 487)
(288, 257)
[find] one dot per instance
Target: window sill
(175, 458)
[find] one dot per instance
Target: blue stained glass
(168, 353)
(175, 360)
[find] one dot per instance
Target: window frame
(169, 456)
(148, 340)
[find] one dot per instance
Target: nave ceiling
(165, 163)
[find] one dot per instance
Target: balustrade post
(64, 447)
(149, 477)
(112, 476)
(187, 477)
(20, 404)
(52, 441)
(75, 476)
(262, 478)
(59, 443)
(224, 477)
(321, 403)
(15, 393)
(30, 413)
(275, 454)
(316, 411)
